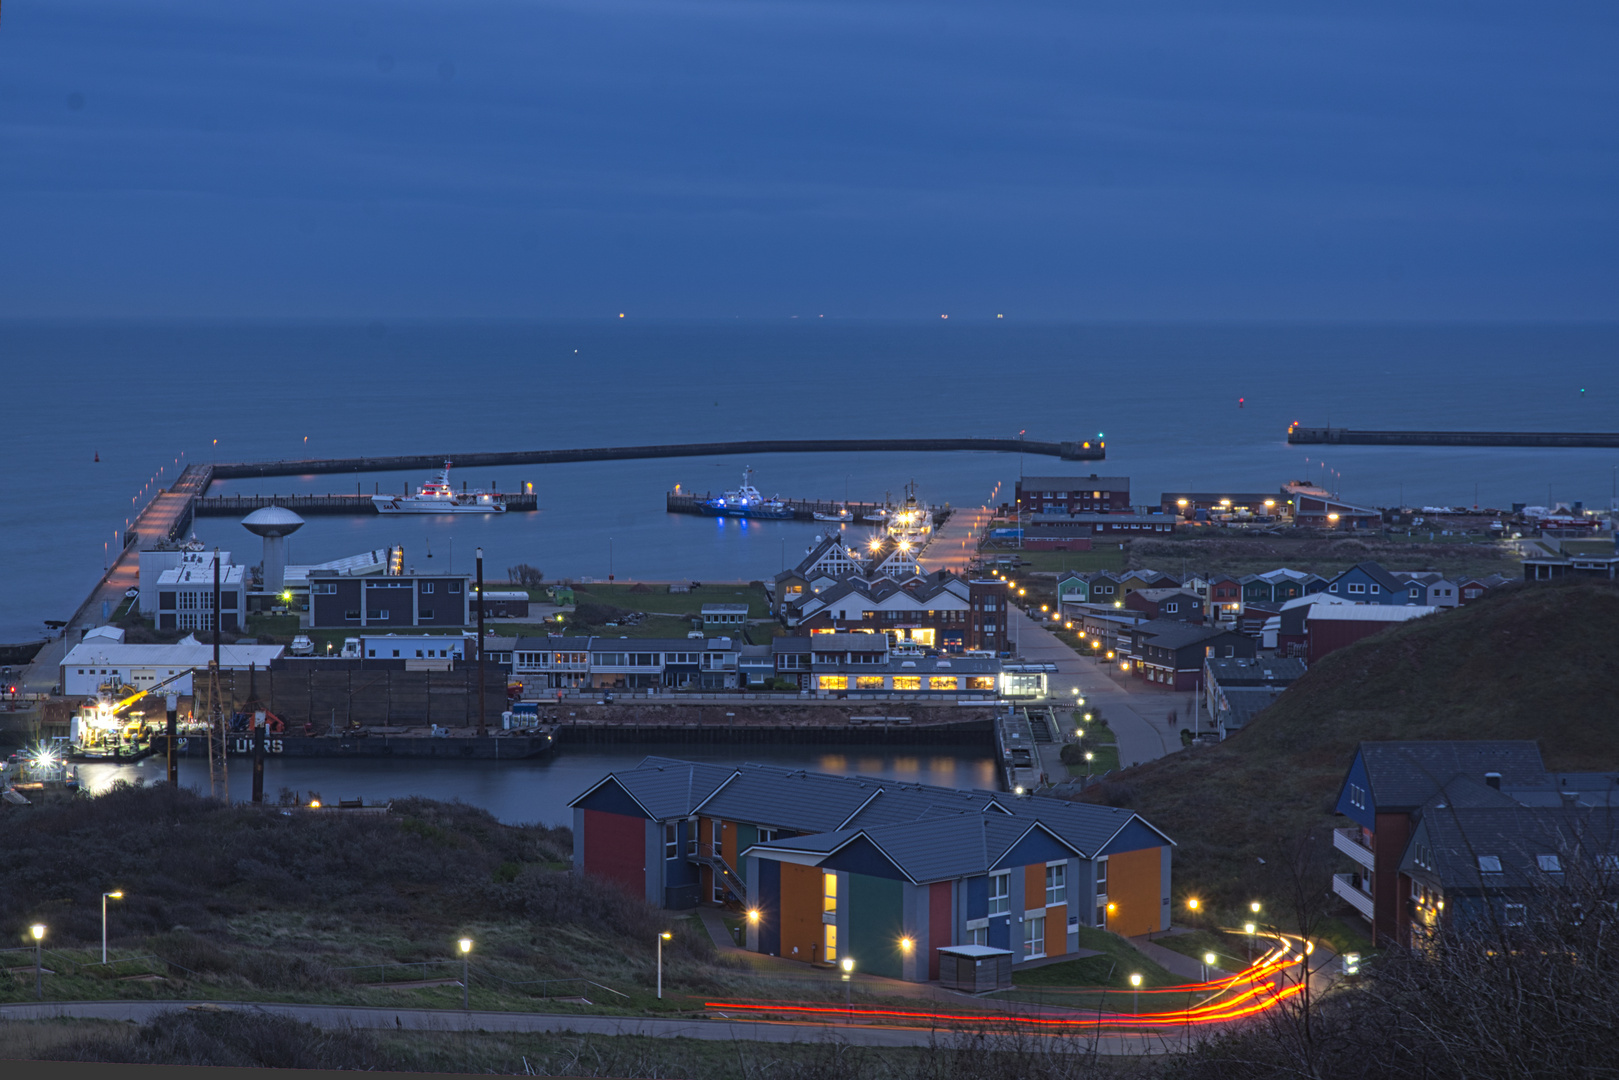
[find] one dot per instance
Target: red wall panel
(941, 927)
(615, 849)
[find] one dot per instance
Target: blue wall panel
(1037, 847)
(611, 798)
(770, 907)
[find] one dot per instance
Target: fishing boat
(843, 517)
(747, 502)
(437, 497)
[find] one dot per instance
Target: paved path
(1134, 712)
(955, 543)
(1176, 963)
(350, 1016)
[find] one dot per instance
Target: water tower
(275, 524)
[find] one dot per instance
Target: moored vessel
(437, 497)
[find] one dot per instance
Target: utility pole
(171, 704)
(482, 729)
(218, 778)
(255, 710)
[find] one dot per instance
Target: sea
(99, 414)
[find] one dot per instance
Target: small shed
(974, 968)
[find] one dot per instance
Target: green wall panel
(874, 922)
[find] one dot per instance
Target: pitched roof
(1404, 775)
(1247, 702)
(1465, 845)
(665, 788)
(1376, 573)
(1368, 612)
(1236, 670)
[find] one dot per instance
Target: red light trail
(1250, 992)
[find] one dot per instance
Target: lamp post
(1248, 928)
(1208, 962)
(466, 947)
(38, 930)
(665, 936)
(116, 894)
(1135, 984)
(848, 986)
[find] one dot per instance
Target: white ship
(437, 497)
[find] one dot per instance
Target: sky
(761, 159)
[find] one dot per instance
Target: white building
(185, 593)
(98, 660)
(413, 647)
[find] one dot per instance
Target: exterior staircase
(708, 855)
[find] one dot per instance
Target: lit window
(829, 893)
(830, 937)
(869, 682)
(907, 682)
(834, 682)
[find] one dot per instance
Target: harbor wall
(1303, 436)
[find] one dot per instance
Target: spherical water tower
(275, 524)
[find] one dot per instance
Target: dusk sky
(1065, 160)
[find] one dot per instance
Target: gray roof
(1074, 483)
(664, 787)
(725, 609)
(1237, 670)
(1247, 702)
(1171, 634)
(789, 644)
(1377, 574)
(1404, 775)
(1452, 841)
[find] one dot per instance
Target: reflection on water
(539, 790)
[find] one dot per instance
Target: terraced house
(883, 872)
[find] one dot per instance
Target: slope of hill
(1532, 662)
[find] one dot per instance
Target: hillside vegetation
(1530, 662)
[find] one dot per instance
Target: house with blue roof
(1369, 583)
(887, 873)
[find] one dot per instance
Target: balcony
(1348, 841)
(1355, 888)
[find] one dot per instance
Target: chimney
(1570, 799)
(1493, 779)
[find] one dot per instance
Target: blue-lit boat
(747, 502)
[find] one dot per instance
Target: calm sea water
(539, 790)
(151, 397)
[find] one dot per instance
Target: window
(671, 841)
(834, 682)
(978, 936)
(382, 613)
(691, 839)
(427, 587)
(1056, 884)
(1512, 914)
(981, 682)
(427, 613)
(1000, 893)
(1356, 587)
(455, 587)
(1034, 936)
(1101, 877)
(907, 682)
(1489, 864)
(352, 615)
(829, 894)
(396, 653)
(1357, 796)
(1376, 589)
(942, 682)
(868, 682)
(829, 938)
(767, 836)
(1549, 864)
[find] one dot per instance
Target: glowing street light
(848, 985)
(38, 931)
(465, 944)
(1135, 984)
(1208, 962)
(665, 936)
(1254, 907)
(1249, 928)
(116, 894)
(1192, 904)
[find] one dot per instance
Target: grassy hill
(1531, 662)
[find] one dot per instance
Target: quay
(1067, 451)
(1317, 436)
(242, 505)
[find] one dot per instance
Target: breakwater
(309, 505)
(1317, 436)
(1067, 451)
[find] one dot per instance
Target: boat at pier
(437, 497)
(842, 517)
(746, 501)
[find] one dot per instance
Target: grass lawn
(1230, 950)
(661, 601)
(1110, 557)
(1101, 980)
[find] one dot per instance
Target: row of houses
(898, 877)
(1467, 833)
(846, 586)
(828, 665)
(1094, 503)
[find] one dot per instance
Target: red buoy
(98, 455)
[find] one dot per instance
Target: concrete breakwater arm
(1310, 436)
(1068, 451)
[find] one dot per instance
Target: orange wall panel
(1135, 889)
(1034, 886)
(800, 912)
(1056, 929)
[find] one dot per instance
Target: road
(955, 543)
(353, 1016)
(1135, 712)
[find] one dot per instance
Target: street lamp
(38, 930)
(1248, 928)
(665, 936)
(1088, 757)
(466, 947)
(116, 894)
(848, 986)
(1208, 962)
(1254, 907)
(1135, 984)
